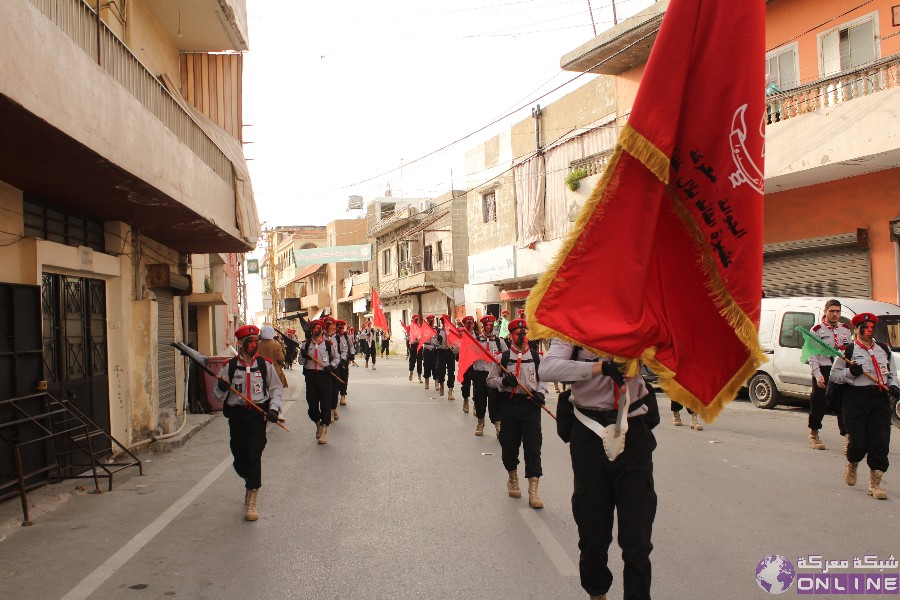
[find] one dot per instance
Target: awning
(207, 299)
(306, 272)
(353, 297)
(514, 294)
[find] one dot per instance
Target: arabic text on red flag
(664, 263)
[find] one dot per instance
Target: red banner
(470, 351)
(378, 312)
(426, 333)
(453, 334)
(665, 261)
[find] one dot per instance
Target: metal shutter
(829, 266)
(165, 351)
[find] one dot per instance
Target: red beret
(429, 317)
(520, 312)
(517, 324)
(488, 319)
(341, 323)
(246, 330)
(505, 312)
(864, 318)
(316, 322)
(468, 319)
(415, 318)
(326, 319)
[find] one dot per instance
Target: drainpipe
(536, 115)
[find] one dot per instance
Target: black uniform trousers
(369, 351)
(428, 363)
(623, 487)
(676, 407)
(867, 416)
(247, 429)
(521, 418)
(415, 358)
(484, 397)
(818, 407)
(319, 395)
(343, 371)
(385, 345)
(445, 367)
(467, 383)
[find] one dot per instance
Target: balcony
(804, 148)
(424, 272)
(316, 300)
(98, 134)
(204, 25)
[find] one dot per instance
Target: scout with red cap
(834, 334)
(368, 343)
(256, 378)
(485, 397)
(428, 354)
(469, 323)
(331, 335)
(415, 348)
(504, 326)
(867, 383)
(520, 397)
(444, 359)
(347, 351)
(320, 359)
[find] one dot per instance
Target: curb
(195, 424)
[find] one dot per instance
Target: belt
(608, 417)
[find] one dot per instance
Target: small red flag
(665, 261)
(426, 333)
(453, 334)
(378, 312)
(470, 351)
(403, 325)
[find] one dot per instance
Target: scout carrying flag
(380, 321)
(664, 263)
(453, 334)
(813, 345)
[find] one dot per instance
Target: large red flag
(380, 321)
(426, 332)
(470, 351)
(453, 334)
(665, 261)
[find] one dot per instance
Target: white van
(783, 374)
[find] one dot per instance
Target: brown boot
(334, 415)
(875, 485)
(814, 442)
(676, 418)
(850, 473)
(343, 399)
(440, 388)
(479, 428)
(534, 501)
(420, 378)
(450, 394)
(250, 499)
(410, 375)
(426, 383)
(318, 430)
(323, 439)
(512, 485)
(373, 366)
(466, 405)
(846, 444)
(695, 423)
(497, 427)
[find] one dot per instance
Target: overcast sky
(339, 95)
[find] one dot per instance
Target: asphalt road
(404, 502)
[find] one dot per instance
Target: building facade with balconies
(121, 171)
(284, 282)
(419, 264)
(832, 162)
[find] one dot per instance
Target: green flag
(813, 345)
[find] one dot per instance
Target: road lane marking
(101, 574)
(554, 550)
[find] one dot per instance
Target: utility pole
(272, 312)
(615, 20)
(591, 12)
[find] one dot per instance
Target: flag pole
(505, 370)
(249, 402)
(829, 351)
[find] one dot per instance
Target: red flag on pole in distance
(664, 263)
(426, 333)
(470, 350)
(380, 321)
(404, 326)
(453, 334)
(414, 331)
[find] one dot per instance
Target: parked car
(783, 375)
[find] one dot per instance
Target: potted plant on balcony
(573, 179)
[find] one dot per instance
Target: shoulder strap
(848, 351)
(328, 349)
(885, 348)
(575, 351)
(306, 346)
(535, 358)
(504, 359)
(232, 367)
(263, 367)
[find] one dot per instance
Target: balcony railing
(880, 75)
(418, 264)
(79, 21)
(593, 164)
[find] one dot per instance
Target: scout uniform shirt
(595, 392)
(874, 361)
(341, 348)
(522, 366)
(251, 380)
(320, 352)
(836, 337)
(492, 344)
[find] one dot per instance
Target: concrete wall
(149, 42)
(15, 266)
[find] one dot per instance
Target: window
(403, 251)
(782, 65)
(790, 337)
(489, 207)
(64, 228)
(439, 246)
(386, 262)
(848, 47)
